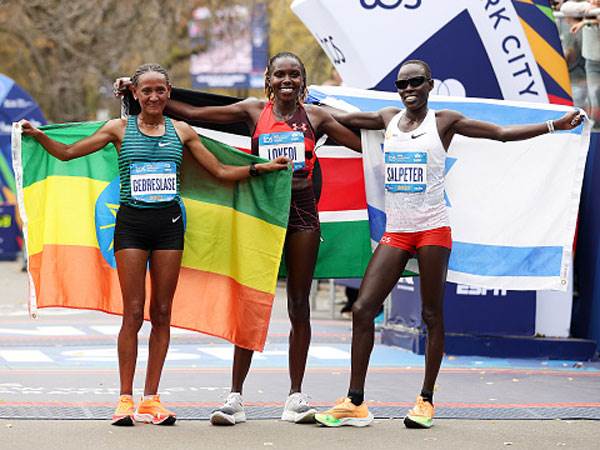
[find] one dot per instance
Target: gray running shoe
(298, 410)
(231, 412)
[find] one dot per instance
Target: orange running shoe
(421, 415)
(123, 415)
(152, 411)
(345, 413)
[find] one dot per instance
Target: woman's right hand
(121, 86)
(280, 163)
(28, 129)
(578, 26)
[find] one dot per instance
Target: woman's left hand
(570, 120)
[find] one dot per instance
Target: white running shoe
(231, 412)
(298, 410)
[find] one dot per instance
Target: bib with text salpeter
(405, 171)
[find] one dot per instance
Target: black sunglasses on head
(414, 82)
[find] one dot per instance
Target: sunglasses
(414, 82)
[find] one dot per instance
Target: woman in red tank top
(282, 125)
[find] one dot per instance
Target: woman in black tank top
(285, 86)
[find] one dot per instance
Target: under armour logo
(300, 127)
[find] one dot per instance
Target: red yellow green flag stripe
(233, 242)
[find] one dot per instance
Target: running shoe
(152, 411)
(231, 412)
(421, 415)
(298, 410)
(123, 415)
(345, 413)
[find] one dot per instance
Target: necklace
(154, 126)
(284, 117)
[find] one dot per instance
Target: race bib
(406, 171)
(153, 182)
(287, 143)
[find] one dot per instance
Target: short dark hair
(150, 67)
(418, 62)
(269, 69)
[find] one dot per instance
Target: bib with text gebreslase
(153, 181)
(405, 171)
(286, 143)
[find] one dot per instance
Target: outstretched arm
(236, 112)
(336, 131)
(377, 120)
(111, 131)
(223, 171)
(460, 124)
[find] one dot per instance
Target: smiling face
(414, 97)
(286, 79)
(152, 91)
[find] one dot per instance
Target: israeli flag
(513, 206)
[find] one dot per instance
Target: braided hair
(151, 67)
(269, 70)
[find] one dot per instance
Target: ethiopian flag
(233, 242)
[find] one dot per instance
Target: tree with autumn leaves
(67, 53)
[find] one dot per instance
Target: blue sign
(8, 233)
(236, 47)
(15, 104)
(468, 309)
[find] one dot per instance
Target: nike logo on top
(163, 144)
(175, 219)
(414, 136)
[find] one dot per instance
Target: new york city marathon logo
(390, 4)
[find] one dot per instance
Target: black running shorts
(303, 211)
(149, 228)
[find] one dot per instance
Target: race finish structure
(503, 49)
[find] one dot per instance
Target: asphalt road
(63, 366)
(271, 434)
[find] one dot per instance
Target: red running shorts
(411, 242)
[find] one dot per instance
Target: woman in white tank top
(416, 141)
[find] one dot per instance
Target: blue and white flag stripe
(513, 206)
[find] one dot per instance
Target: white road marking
(108, 330)
(326, 352)
(316, 351)
(113, 330)
(224, 353)
(24, 356)
(110, 355)
(44, 331)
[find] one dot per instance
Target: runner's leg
(433, 267)
(386, 266)
(242, 358)
(164, 273)
(131, 268)
(301, 248)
